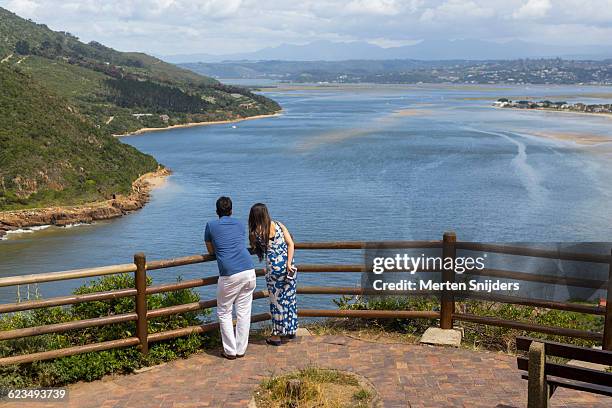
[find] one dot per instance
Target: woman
(271, 239)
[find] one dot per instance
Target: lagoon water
(358, 163)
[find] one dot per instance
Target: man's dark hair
(224, 206)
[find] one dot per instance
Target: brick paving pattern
(404, 376)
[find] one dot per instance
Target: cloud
(457, 10)
(165, 27)
(25, 8)
(381, 7)
(533, 9)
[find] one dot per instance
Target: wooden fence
(447, 314)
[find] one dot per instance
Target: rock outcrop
(86, 213)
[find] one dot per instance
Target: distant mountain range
(408, 71)
(425, 50)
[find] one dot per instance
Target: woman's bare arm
(290, 245)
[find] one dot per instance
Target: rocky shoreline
(86, 213)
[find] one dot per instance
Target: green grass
(66, 80)
(318, 387)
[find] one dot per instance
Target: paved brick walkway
(404, 375)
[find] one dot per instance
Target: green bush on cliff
(92, 366)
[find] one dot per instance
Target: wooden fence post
(447, 301)
(537, 389)
(607, 339)
(141, 301)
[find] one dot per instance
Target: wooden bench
(544, 377)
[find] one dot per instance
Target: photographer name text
(457, 265)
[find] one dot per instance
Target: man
(226, 238)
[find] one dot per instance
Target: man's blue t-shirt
(228, 236)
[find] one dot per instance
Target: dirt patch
(316, 387)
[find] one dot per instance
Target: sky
(168, 27)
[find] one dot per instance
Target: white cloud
(388, 42)
(382, 7)
(166, 27)
(457, 10)
(24, 8)
(533, 9)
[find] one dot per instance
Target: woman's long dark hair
(259, 229)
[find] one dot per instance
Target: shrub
(479, 335)
(93, 366)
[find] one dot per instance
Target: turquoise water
(357, 163)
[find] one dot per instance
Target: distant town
(523, 71)
(559, 106)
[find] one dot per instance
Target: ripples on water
(358, 163)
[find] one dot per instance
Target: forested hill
(51, 155)
(118, 91)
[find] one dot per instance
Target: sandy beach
(194, 124)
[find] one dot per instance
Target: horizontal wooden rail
(114, 344)
(369, 245)
(185, 260)
(195, 306)
(533, 252)
(192, 283)
(548, 304)
(575, 373)
(186, 331)
(370, 314)
(67, 326)
(573, 307)
(533, 277)
(111, 294)
(65, 275)
(69, 351)
(334, 290)
(553, 348)
(330, 268)
(322, 268)
(530, 327)
(66, 300)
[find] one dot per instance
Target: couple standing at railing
(270, 240)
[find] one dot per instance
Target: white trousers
(235, 290)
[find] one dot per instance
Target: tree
(22, 47)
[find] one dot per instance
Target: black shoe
(274, 342)
(239, 355)
(227, 356)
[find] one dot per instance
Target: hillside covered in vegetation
(120, 92)
(61, 100)
(51, 155)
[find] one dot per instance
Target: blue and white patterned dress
(283, 304)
